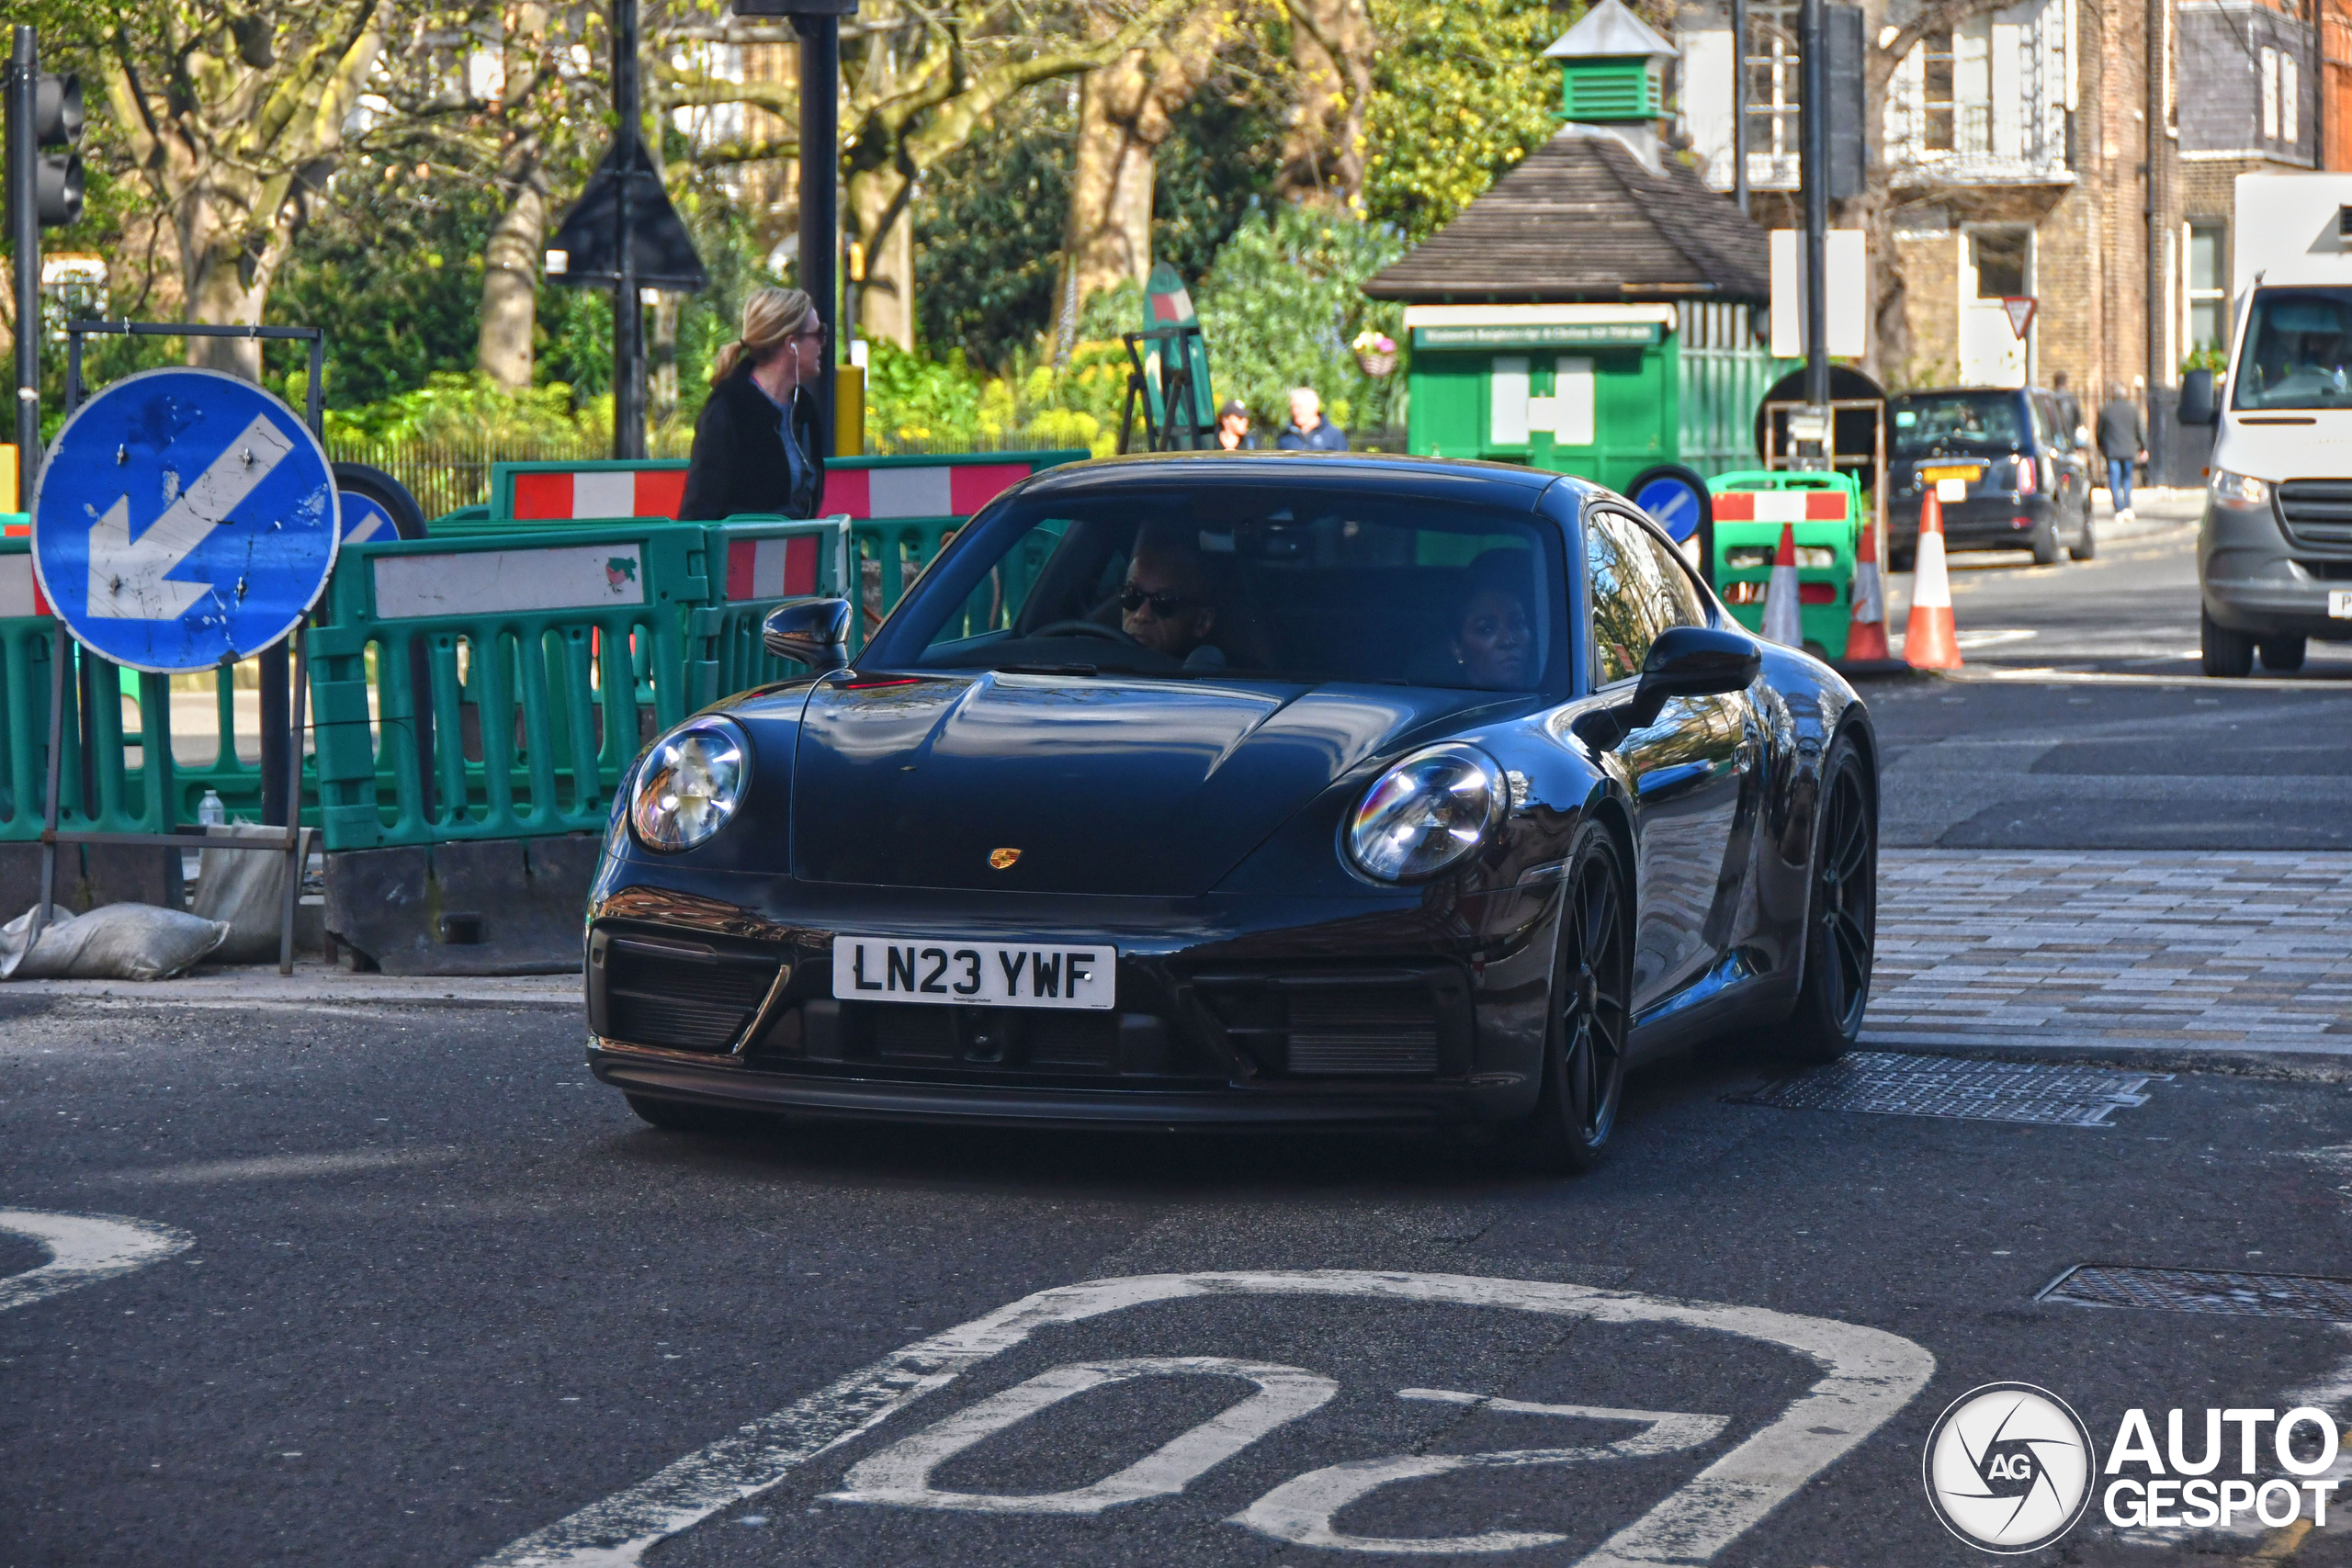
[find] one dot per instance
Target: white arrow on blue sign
(183, 518)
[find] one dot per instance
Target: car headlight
(2238, 490)
(1426, 813)
(688, 784)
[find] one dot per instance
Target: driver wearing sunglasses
(1167, 602)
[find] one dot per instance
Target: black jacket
(2121, 432)
(739, 462)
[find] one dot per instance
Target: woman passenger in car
(1494, 636)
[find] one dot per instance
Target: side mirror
(1693, 661)
(815, 632)
(2197, 402)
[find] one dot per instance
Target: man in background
(1308, 430)
(2070, 410)
(1233, 428)
(2122, 440)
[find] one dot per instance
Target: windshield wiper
(1047, 670)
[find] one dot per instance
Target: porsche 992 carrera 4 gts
(1222, 791)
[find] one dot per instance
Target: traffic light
(57, 123)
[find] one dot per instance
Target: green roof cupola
(1612, 67)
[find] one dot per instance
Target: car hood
(1102, 784)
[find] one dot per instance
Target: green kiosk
(1597, 311)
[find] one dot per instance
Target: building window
(1935, 91)
(2208, 312)
(1999, 258)
(2270, 94)
(2287, 92)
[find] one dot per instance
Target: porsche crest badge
(1001, 860)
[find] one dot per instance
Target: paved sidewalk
(2214, 957)
(2231, 957)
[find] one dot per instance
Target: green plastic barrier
(1826, 511)
(512, 678)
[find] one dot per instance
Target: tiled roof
(1582, 219)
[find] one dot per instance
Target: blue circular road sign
(183, 518)
(1674, 502)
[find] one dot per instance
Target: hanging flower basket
(1376, 354)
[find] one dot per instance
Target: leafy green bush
(463, 407)
(1280, 306)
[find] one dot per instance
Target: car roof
(1492, 484)
(1964, 392)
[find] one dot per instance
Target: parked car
(2005, 468)
(1225, 790)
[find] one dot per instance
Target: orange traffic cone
(1931, 641)
(1782, 622)
(1866, 636)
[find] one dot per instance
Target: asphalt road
(409, 1289)
(439, 1293)
(2081, 719)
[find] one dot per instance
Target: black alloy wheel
(1584, 1061)
(1841, 914)
(2282, 655)
(2227, 654)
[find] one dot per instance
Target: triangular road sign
(2019, 309)
(586, 249)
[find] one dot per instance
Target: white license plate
(2339, 604)
(1951, 490)
(953, 972)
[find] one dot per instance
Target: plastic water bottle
(211, 811)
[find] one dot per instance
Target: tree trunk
(1128, 110)
(877, 206)
(227, 273)
(1107, 236)
(1331, 49)
(510, 274)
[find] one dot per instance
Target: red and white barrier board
(1781, 506)
(946, 490)
(600, 492)
(21, 593)
(771, 569)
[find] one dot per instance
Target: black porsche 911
(1227, 792)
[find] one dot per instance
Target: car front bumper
(1231, 1013)
(2255, 580)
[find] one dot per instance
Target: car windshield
(2298, 352)
(1926, 421)
(1297, 584)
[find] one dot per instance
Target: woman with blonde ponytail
(756, 445)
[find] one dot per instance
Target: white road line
(1871, 1375)
(901, 1473)
(83, 1249)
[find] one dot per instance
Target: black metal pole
(1813, 48)
(629, 316)
(1740, 103)
(24, 216)
(820, 75)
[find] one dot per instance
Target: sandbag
(245, 888)
(114, 941)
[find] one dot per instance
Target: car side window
(1629, 598)
(1680, 601)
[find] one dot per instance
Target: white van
(2274, 557)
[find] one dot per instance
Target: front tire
(2228, 655)
(2282, 655)
(1591, 1015)
(1841, 915)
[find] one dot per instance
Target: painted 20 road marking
(1868, 1375)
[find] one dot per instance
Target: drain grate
(1891, 1083)
(2202, 1289)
